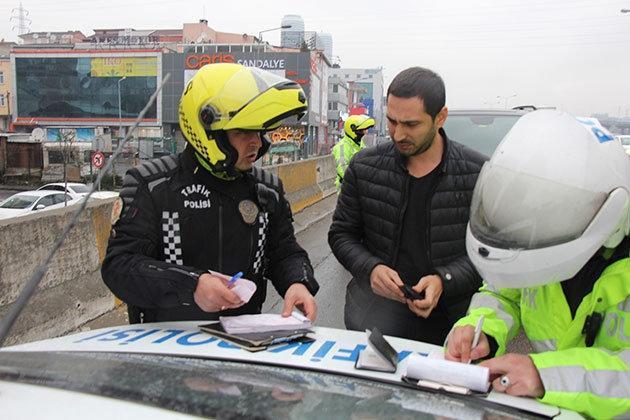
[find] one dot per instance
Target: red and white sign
(98, 159)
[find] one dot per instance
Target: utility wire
(25, 295)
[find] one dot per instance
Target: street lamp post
(119, 131)
(119, 108)
(272, 29)
(506, 98)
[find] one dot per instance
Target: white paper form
(447, 372)
(243, 288)
(243, 324)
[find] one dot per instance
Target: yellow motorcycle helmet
(227, 96)
(355, 123)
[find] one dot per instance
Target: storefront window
(85, 87)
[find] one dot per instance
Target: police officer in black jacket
(401, 219)
(210, 209)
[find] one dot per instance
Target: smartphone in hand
(410, 293)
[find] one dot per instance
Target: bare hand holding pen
(467, 343)
(213, 294)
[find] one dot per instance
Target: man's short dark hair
(422, 83)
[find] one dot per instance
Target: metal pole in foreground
(9, 319)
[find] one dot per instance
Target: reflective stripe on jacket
(591, 380)
(343, 152)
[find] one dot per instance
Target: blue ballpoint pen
(234, 278)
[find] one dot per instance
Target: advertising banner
(82, 135)
(294, 66)
(123, 66)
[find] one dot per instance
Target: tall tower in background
(22, 25)
(324, 42)
(293, 36)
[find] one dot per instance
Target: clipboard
(437, 374)
(379, 356)
(439, 387)
(259, 340)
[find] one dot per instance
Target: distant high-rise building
(294, 36)
(324, 42)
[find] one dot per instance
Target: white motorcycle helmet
(555, 191)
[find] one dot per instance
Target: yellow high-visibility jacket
(591, 380)
(343, 152)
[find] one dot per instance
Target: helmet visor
(515, 210)
(368, 123)
(253, 99)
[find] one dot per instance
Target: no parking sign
(98, 159)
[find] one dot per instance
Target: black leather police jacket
(178, 221)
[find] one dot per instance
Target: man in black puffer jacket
(401, 219)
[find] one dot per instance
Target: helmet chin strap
(219, 174)
(230, 173)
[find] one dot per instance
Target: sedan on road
(481, 129)
(75, 189)
(28, 202)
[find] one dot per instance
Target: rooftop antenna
(23, 22)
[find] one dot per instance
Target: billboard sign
(123, 66)
(294, 66)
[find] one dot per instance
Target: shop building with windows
(365, 93)
(337, 106)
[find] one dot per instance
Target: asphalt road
(332, 277)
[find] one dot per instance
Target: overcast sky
(572, 54)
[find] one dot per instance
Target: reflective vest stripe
(342, 156)
(543, 345)
(483, 300)
(574, 379)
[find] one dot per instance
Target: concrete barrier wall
(72, 292)
(306, 181)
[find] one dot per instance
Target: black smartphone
(410, 293)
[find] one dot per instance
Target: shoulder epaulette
(157, 168)
(266, 178)
(152, 172)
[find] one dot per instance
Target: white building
(292, 37)
(365, 88)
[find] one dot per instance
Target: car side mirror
(39, 207)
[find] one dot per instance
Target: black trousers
(394, 318)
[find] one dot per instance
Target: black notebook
(379, 354)
(258, 340)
